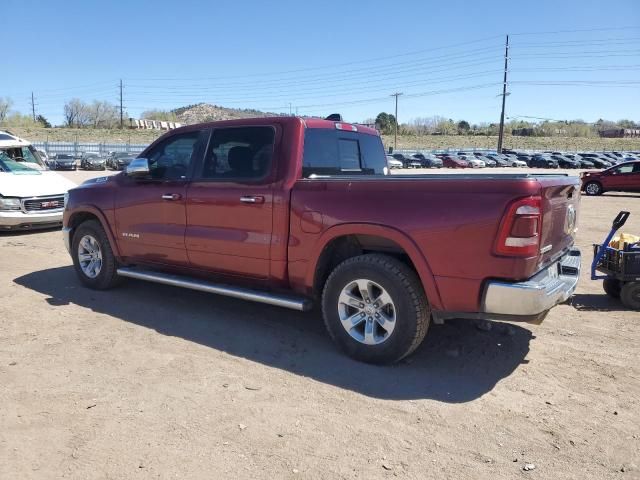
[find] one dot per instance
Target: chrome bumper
(534, 297)
(19, 220)
(66, 237)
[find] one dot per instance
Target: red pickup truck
(296, 212)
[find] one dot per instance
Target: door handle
(252, 199)
(171, 196)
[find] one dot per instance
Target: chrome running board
(279, 300)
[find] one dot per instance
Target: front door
(150, 212)
(624, 178)
(230, 203)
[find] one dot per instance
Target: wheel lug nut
(370, 319)
(362, 314)
(362, 305)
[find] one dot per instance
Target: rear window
(337, 152)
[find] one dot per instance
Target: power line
(584, 30)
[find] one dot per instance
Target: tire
(408, 307)
(612, 287)
(593, 189)
(630, 295)
(105, 276)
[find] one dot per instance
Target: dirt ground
(148, 381)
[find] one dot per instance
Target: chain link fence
(77, 149)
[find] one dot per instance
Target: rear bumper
(527, 301)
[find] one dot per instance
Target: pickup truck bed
(292, 211)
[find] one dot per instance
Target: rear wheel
(93, 258)
(593, 188)
(612, 287)
(630, 295)
(375, 309)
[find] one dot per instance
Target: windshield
(26, 156)
(7, 164)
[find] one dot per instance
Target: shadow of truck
(456, 363)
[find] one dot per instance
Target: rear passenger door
(230, 203)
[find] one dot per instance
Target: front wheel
(630, 295)
(375, 309)
(93, 258)
(593, 188)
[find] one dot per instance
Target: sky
(568, 59)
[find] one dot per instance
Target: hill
(205, 112)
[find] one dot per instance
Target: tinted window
(171, 159)
(238, 153)
(335, 152)
(624, 169)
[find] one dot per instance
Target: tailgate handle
(620, 220)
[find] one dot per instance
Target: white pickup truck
(31, 196)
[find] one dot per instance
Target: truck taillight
(520, 230)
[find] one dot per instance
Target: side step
(279, 300)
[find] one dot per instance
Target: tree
(43, 121)
(463, 127)
(162, 115)
(103, 114)
(386, 122)
(76, 113)
(5, 106)
(626, 124)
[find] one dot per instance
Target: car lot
(154, 382)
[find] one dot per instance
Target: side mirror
(138, 168)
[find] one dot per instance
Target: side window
(171, 159)
(623, 169)
(636, 167)
(332, 152)
(239, 153)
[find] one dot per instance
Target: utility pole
(121, 110)
(395, 133)
(33, 107)
(504, 95)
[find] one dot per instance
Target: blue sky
(329, 56)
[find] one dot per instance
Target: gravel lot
(148, 381)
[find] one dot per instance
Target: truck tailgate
(560, 205)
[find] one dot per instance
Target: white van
(31, 196)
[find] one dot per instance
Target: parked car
(31, 196)
(454, 161)
(543, 161)
(472, 160)
(596, 160)
(488, 161)
(583, 162)
(119, 160)
(287, 225)
(499, 159)
(62, 161)
(92, 161)
(393, 163)
(513, 160)
(565, 162)
(406, 161)
(428, 160)
(619, 178)
(523, 157)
